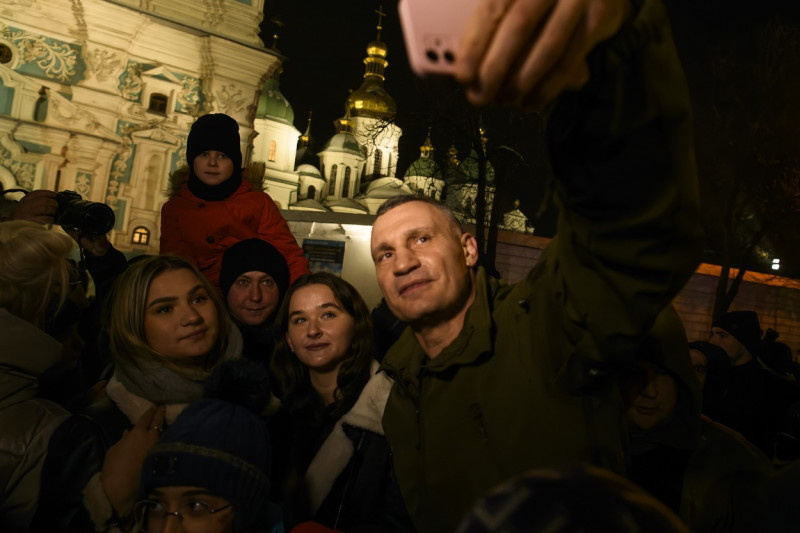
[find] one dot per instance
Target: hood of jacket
(26, 353)
(667, 347)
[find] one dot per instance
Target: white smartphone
(432, 31)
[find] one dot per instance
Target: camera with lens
(89, 218)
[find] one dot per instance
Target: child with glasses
(208, 473)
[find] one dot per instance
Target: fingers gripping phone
(432, 31)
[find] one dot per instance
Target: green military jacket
(530, 380)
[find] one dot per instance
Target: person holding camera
(87, 223)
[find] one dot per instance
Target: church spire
(426, 150)
(305, 138)
(375, 61)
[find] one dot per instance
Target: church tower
(373, 110)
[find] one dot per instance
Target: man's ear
(470, 247)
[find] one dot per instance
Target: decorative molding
(83, 183)
(214, 13)
(64, 111)
(24, 173)
(230, 99)
(130, 82)
(188, 99)
(57, 60)
(103, 63)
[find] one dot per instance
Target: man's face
(423, 263)
(656, 402)
(700, 365)
(253, 297)
(736, 351)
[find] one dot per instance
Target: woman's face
(320, 331)
(180, 319)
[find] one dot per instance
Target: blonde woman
(34, 276)
(168, 329)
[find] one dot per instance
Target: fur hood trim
(252, 173)
(337, 450)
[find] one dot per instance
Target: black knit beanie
(220, 446)
(253, 255)
(744, 326)
(214, 132)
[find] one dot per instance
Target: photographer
(87, 223)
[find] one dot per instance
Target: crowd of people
(222, 387)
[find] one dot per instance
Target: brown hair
(291, 375)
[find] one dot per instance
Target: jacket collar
(335, 453)
(405, 359)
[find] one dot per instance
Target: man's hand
(526, 52)
(37, 206)
(122, 468)
(96, 245)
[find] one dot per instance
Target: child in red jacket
(215, 208)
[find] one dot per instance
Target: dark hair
(292, 377)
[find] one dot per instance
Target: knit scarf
(214, 193)
(162, 385)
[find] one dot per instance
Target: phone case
(432, 31)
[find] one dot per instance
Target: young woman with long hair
(331, 459)
(168, 329)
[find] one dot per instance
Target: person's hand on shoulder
(37, 206)
(122, 467)
(526, 52)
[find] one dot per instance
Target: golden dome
(371, 100)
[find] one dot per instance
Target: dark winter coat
(705, 472)
(529, 381)
(349, 484)
(26, 420)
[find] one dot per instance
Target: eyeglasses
(194, 515)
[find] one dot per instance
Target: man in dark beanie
(253, 280)
(215, 207)
(739, 334)
(756, 399)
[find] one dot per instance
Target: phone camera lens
(432, 55)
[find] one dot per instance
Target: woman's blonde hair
(34, 271)
(127, 338)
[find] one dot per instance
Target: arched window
(158, 103)
(140, 235)
(311, 193)
(376, 167)
(332, 181)
(272, 148)
(346, 183)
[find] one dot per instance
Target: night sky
(325, 44)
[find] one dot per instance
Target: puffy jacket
(201, 230)
(530, 380)
(27, 421)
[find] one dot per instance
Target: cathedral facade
(98, 96)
